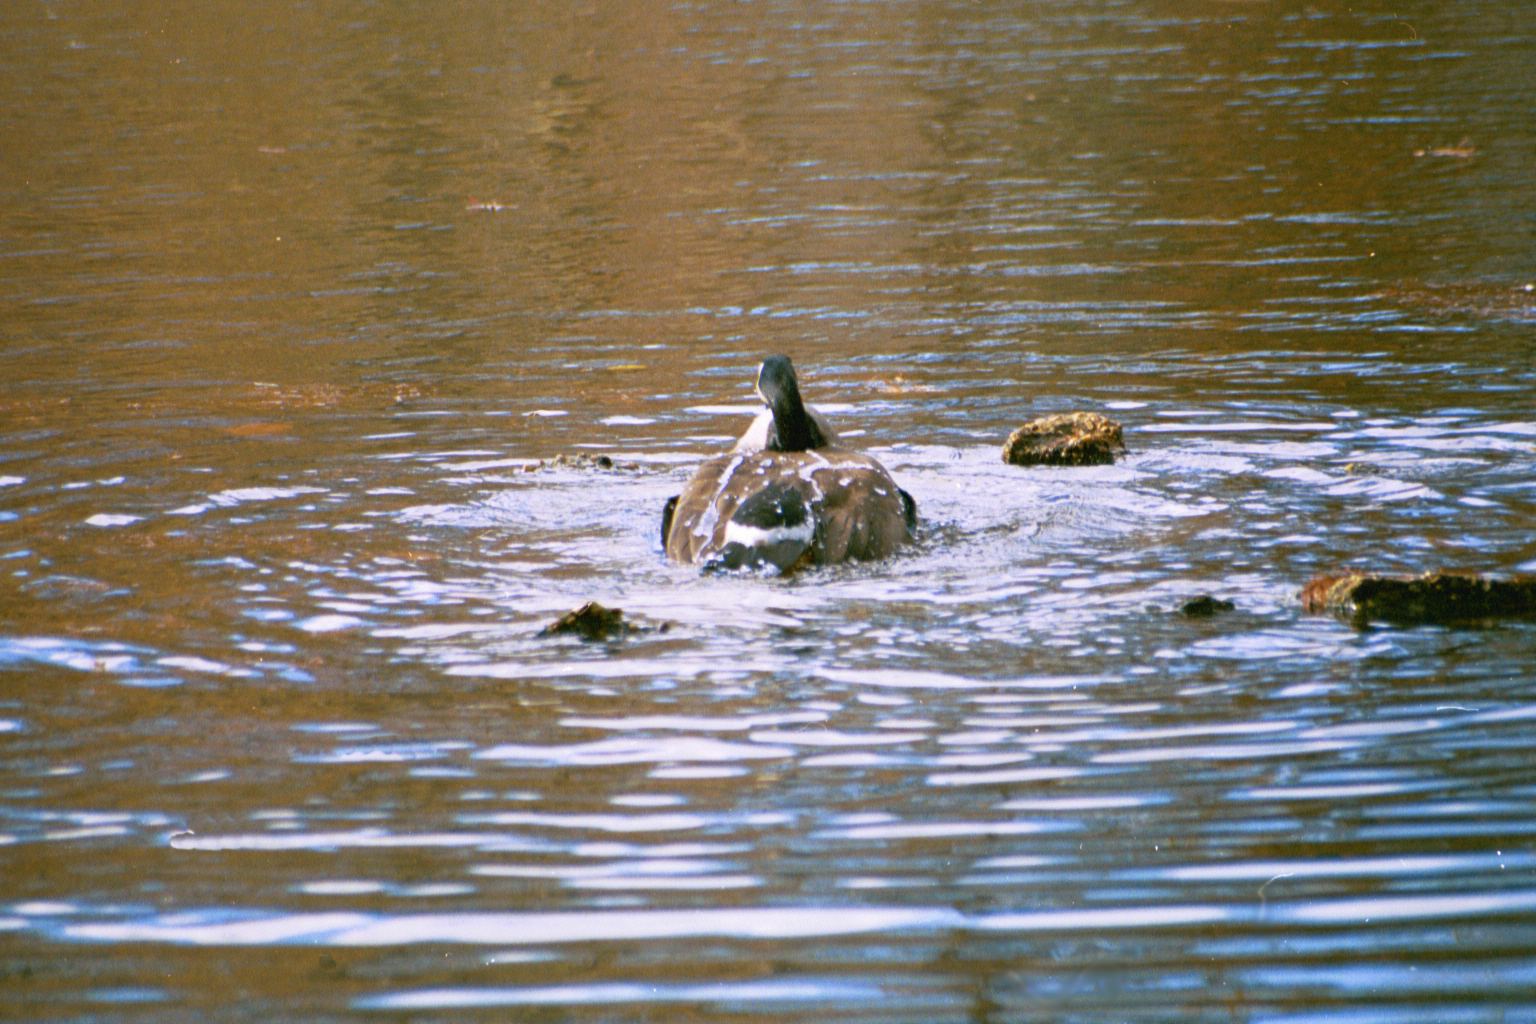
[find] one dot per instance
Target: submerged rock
(1069, 439)
(590, 622)
(1205, 606)
(1435, 597)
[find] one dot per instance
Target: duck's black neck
(793, 428)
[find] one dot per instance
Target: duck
(787, 494)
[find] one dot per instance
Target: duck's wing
(691, 519)
(863, 515)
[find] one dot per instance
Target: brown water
(296, 304)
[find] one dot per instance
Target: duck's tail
(774, 527)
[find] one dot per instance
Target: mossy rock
(1068, 439)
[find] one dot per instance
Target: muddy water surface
(300, 311)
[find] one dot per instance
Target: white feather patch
(757, 537)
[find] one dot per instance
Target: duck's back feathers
(788, 509)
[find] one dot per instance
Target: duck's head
(794, 430)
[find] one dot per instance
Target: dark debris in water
(1434, 597)
(581, 460)
(1493, 301)
(1068, 439)
(593, 621)
(1463, 150)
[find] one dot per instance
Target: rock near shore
(1434, 597)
